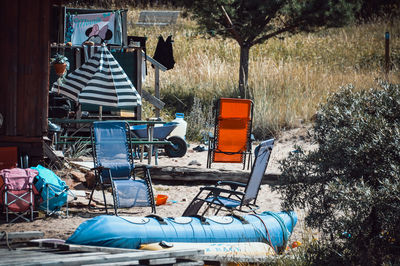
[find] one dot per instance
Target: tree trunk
(244, 71)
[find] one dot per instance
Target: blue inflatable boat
(273, 228)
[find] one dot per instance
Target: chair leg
(244, 161)
(115, 204)
(47, 201)
(206, 209)
(209, 157)
(219, 208)
(155, 154)
(150, 188)
(210, 147)
(193, 208)
(250, 161)
(6, 202)
(104, 197)
(114, 195)
(91, 194)
(31, 203)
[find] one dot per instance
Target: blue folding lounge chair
(113, 161)
(218, 197)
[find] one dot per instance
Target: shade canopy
(100, 81)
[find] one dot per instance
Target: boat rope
(5, 237)
(266, 229)
(284, 228)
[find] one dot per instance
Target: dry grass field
(289, 77)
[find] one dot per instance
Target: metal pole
(157, 87)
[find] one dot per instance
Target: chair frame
(214, 192)
(213, 139)
(19, 215)
(57, 193)
(132, 175)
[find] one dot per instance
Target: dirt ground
(179, 195)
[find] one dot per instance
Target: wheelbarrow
(179, 145)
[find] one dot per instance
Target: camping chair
(53, 191)
(113, 165)
(231, 142)
(17, 193)
(234, 199)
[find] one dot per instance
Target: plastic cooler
(180, 130)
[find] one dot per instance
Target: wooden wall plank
(24, 71)
(8, 67)
(44, 43)
(23, 31)
(32, 87)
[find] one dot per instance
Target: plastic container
(180, 130)
(161, 199)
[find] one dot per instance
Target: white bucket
(180, 130)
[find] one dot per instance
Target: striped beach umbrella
(100, 81)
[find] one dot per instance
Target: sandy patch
(179, 195)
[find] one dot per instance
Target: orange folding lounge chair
(231, 142)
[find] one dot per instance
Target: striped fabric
(100, 81)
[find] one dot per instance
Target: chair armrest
(234, 185)
(100, 168)
(218, 190)
(144, 167)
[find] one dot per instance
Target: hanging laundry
(164, 53)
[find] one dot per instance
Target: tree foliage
(350, 185)
(256, 21)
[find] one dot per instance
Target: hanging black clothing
(164, 53)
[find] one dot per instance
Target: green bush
(199, 121)
(350, 184)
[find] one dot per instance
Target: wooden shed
(24, 75)
(28, 30)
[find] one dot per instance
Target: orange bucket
(161, 199)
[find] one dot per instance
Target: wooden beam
(19, 139)
(51, 154)
(21, 235)
(157, 88)
(153, 100)
(177, 173)
(123, 257)
(124, 27)
(139, 80)
(155, 63)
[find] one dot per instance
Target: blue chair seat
(227, 202)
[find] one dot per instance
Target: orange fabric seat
(231, 142)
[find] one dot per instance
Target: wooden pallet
(55, 252)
